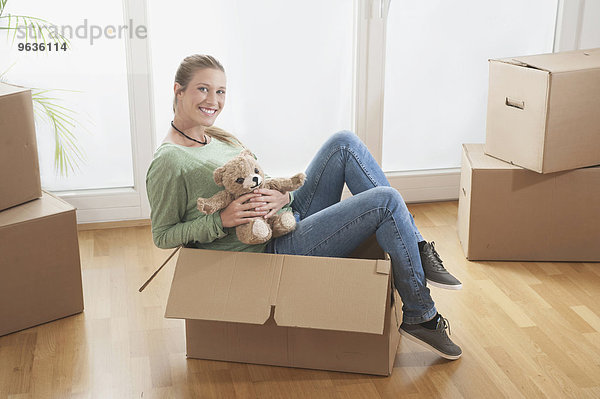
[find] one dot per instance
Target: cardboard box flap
(304, 291)
(479, 160)
(35, 209)
(559, 62)
(224, 286)
(333, 294)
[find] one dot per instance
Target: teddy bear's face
(241, 175)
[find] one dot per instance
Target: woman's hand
(272, 201)
(238, 212)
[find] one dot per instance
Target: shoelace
(446, 324)
(434, 257)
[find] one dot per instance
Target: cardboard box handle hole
(512, 102)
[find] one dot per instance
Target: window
(89, 79)
(289, 68)
(436, 76)
(297, 72)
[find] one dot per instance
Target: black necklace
(188, 137)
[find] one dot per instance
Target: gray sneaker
(435, 272)
(435, 340)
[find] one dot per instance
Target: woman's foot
(434, 339)
(435, 272)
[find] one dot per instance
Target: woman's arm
(168, 202)
(204, 229)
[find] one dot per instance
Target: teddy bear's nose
(255, 179)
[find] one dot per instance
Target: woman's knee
(345, 138)
(389, 196)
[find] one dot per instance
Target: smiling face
(203, 99)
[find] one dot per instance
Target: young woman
(182, 171)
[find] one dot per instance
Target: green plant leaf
(67, 154)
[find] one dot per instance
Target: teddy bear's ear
(218, 175)
(246, 153)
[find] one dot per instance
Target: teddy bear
(242, 175)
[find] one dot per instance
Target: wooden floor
(528, 330)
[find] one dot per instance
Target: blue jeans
(330, 227)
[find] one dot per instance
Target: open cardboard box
(509, 213)
(285, 310)
(544, 110)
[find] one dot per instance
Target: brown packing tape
(275, 278)
(382, 266)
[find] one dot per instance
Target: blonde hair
(186, 70)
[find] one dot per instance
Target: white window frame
(415, 186)
(570, 24)
(369, 75)
(107, 205)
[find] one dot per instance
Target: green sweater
(177, 176)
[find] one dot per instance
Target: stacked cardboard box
(533, 192)
(19, 168)
(39, 251)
